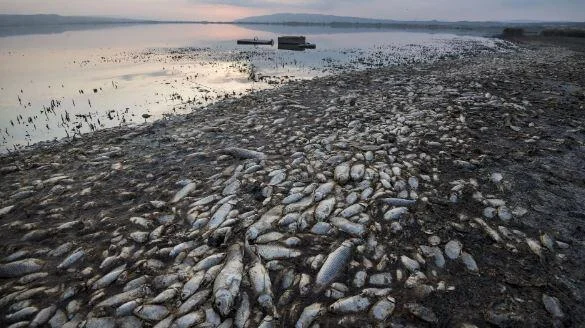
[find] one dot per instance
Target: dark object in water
(296, 43)
(296, 40)
(256, 41)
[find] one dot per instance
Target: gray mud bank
(449, 194)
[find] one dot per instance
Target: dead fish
(352, 210)
(469, 262)
(274, 252)
(343, 224)
(20, 268)
(548, 241)
(219, 216)
(395, 213)
(243, 311)
(232, 188)
(453, 249)
(189, 320)
(383, 308)
(166, 322)
(193, 301)
(324, 209)
(341, 173)
(166, 294)
(334, 265)
(209, 261)
(192, 285)
(122, 298)
(243, 153)
(409, 263)
(309, 314)
(43, 316)
(71, 259)
(186, 190)
(300, 205)
(182, 247)
(381, 279)
(151, 312)
(359, 279)
(293, 198)
(304, 284)
(205, 201)
(264, 223)
(22, 314)
(109, 278)
(488, 230)
(534, 246)
(553, 306)
(142, 222)
(323, 191)
(277, 177)
(352, 304)
(226, 286)
(127, 308)
(357, 172)
(269, 237)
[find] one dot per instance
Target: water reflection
(59, 85)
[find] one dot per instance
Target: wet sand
(490, 149)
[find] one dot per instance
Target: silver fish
(226, 286)
(243, 311)
(324, 190)
(109, 278)
(184, 192)
(334, 265)
(192, 285)
(151, 312)
(20, 268)
(309, 314)
(71, 259)
(352, 304)
(324, 209)
(274, 252)
(264, 223)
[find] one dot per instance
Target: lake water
(70, 81)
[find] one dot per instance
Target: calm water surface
(63, 84)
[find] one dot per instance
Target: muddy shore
(487, 153)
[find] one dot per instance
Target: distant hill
(312, 19)
(39, 20)
(317, 19)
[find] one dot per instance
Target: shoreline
(466, 172)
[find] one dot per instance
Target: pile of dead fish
(300, 232)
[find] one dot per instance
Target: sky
(226, 10)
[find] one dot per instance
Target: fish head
(224, 301)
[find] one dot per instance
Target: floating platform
(256, 41)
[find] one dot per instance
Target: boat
(298, 43)
(256, 41)
(296, 40)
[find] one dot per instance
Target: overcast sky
(565, 10)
